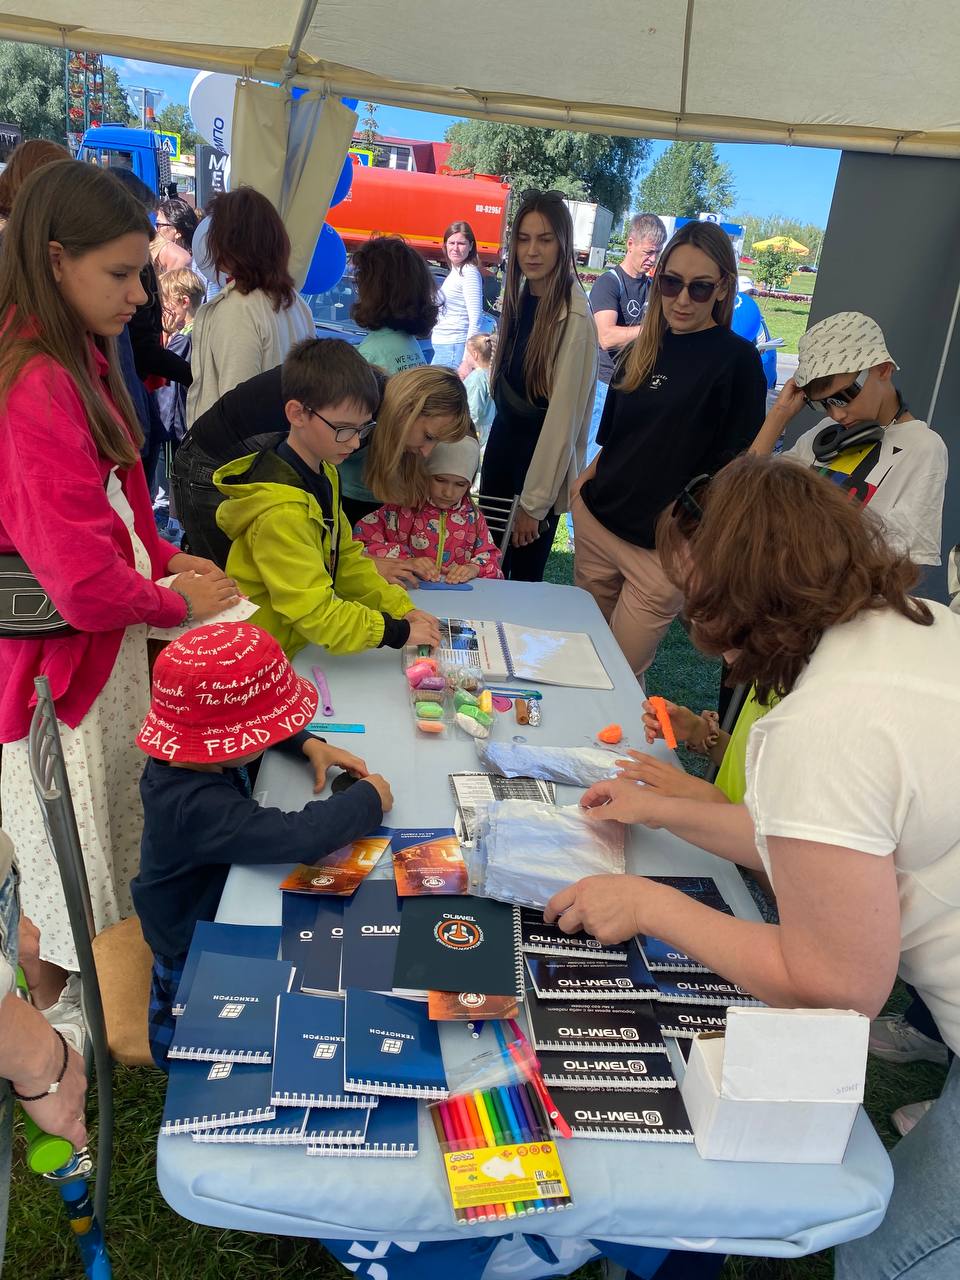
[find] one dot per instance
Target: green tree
(758, 227)
(774, 268)
(175, 118)
(370, 130)
(687, 179)
(116, 108)
(32, 92)
(584, 166)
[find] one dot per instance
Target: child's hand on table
(424, 628)
(461, 573)
(323, 757)
(382, 788)
(425, 568)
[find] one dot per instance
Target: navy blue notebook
(207, 1095)
(286, 1129)
(313, 941)
(371, 930)
(392, 1047)
(347, 1126)
(308, 1055)
(392, 1130)
(255, 941)
(232, 1010)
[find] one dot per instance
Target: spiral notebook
(590, 978)
(684, 1021)
(284, 1130)
(629, 1027)
(392, 1047)
(253, 941)
(308, 1055)
(656, 1115)
(540, 938)
(392, 1130)
(606, 1070)
(700, 988)
(232, 1009)
(213, 1095)
(509, 649)
(459, 944)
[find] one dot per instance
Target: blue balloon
(350, 102)
(328, 264)
(342, 189)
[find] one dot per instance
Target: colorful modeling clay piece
(429, 710)
(501, 703)
(477, 713)
(486, 701)
(659, 708)
(521, 709)
(612, 734)
(464, 698)
(473, 727)
(430, 726)
(534, 713)
(420, 670)
(432, 684)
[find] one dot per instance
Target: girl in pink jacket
(447, 537)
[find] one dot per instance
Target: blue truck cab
(114, 146)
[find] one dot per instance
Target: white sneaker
(67, 1016)
(895, 1040)
(904, 1118)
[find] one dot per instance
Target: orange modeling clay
(659, 707)
(611, 734)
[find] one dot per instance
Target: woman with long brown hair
(460, 296)
(689, 395)
(252, 323)
(852, 805)
(543, 379)
(74, 507)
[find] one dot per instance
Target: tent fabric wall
(876, 75)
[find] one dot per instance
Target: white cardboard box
(782, 1087)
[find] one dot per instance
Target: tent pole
(289, 70)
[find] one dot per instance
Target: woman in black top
(689, 395)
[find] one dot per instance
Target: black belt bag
(26, 611)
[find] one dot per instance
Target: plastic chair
(499, 514)
(114, 966)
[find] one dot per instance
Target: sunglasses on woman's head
(672, 286)
(840, 399)
(534, 194)
(687, 510)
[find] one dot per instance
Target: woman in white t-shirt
(460, 296)
(852, 804)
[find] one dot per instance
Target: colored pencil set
(496, 1126)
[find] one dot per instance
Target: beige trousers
(627, 582)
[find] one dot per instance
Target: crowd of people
(321, 480)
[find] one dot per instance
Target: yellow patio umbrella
(782, 242)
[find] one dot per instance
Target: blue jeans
(448, 353)
(920, 1236)
(592, 447)
(9, 924)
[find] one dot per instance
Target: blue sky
(795, 181)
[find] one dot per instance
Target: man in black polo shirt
(618, 300)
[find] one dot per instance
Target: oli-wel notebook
(593, 1028)
(231, 1011)
(214, 1095)
(586, 978)
(657, 1115)
(308, 1055)
(371, 930)
(606, 1070)
(701, 988)
(313, 941)
(460, 944)
(340, 872)
(392, 1047)
(539, 938)
(684, 1021)
(428, 862)
(502, 649)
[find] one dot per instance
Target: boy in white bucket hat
(869, 443)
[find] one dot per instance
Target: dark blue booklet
(392, 1047)
(232, 1010)
(371, 931)
(254, 941)
(392, 1130)
(313, 941)
(286, 1129)
(341, 1126)
(308, 1055)
(213, 1095)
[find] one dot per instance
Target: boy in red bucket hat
(222, 694)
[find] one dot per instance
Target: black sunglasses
(533, 193)
(687, 510)
(342, 434)
(699, 290)
(841, 398)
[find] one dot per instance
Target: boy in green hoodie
(293, 549)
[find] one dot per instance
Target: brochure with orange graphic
(342, 872)
(460, 944)
(428, 862)
(469, 1006)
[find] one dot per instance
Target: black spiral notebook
(587, 978)
(606, 1070)
(539, 938)
(657, 1115)
(684, 1021)
(460, 943)
(593, 1028)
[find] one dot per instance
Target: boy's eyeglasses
(699, 290)
(840, 399)
(687, 510)
(342, 434)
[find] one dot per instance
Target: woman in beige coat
(543, 379)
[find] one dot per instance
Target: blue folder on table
(392, 1047)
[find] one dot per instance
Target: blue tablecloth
(637, 1193)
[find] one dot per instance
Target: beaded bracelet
(35, 1097)
(188, 617)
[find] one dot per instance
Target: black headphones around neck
(835, 440)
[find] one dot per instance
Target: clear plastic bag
(575, 766)
(526, 851)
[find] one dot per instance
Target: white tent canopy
(874, 75)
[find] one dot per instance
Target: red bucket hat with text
(222, 692)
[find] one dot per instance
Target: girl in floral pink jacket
(447, 537)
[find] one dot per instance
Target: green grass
(787, 320)
(148, 1241)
